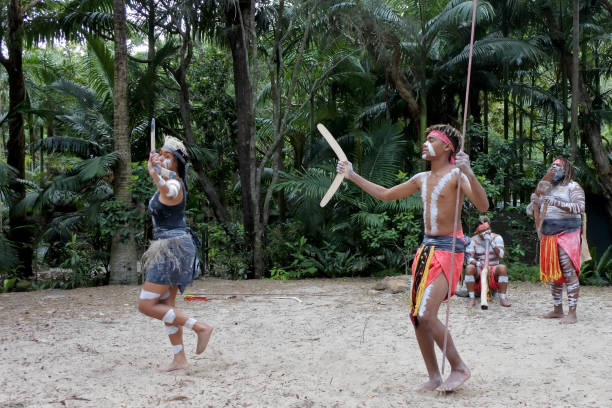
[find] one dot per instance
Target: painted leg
(501, 275)
(471, 275)
(428, 318)
(175, 334)
(573, 287)
(556, 289)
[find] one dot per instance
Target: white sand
(349, 348)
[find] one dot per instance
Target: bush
(597, 271)
(519, 271)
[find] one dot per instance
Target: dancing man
(431, 268)
(477, 251)
(560, 209)
(171, 260)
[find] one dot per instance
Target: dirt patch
(311, 343)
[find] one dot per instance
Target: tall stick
(457, 203)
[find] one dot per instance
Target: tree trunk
(180, 75)
(238, 22)
(123, 248)
(575, 73)
(19, 232)
(591, 129)
(485, 102)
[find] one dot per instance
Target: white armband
(174, 187)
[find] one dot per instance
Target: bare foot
(430, 385)
(569, 319)
(458, 376)
(204, 334)
(553, 315)
(176, 364)
(504, 303)
(471, 303)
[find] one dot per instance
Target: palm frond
(493, 50)
(62, 144)
(8, 254)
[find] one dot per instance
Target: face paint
(166, 163)
(559, 174)
(430, 149)
(559, 170)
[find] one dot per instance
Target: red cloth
(493, 284)
(482, 227)
(570, 242)
(438, 134)
(441, 262)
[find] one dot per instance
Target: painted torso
(476, 249)
(570, 193)
(438, 194)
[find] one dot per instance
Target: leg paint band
(177, 349)
(171, 330)
(145, 294)
(190, 322)
(169, 316)
(502, 295)
(471, 294)
(502, 279)
(469, 278)
(165, 295)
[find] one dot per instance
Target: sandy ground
(343, 345)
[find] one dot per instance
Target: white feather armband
(174, 187)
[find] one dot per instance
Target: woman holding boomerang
(431, 266)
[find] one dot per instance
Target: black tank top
(167, 217)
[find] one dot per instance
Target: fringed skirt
(171, 260)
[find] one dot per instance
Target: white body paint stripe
(433, 214)
(177, 349)
(145, 294)
(423, 305)
(171, 330)
(190, 322)
(169, 316)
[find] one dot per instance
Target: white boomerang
(341, 156)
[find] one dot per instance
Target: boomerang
(341, 156)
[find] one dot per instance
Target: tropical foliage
(245, 83)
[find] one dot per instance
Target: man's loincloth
(550, 268)
(493, 284)
(432, 258)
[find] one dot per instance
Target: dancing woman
(171, 260)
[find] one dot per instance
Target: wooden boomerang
(341, 156)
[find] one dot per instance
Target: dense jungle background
(243, 83)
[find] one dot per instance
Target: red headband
(482, 227)
(438, 134)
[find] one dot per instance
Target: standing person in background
(561, 211)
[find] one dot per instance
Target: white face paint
(430, 149)
(433, 206)
(166, 163)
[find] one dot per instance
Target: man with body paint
(171, 260)
(431, 268)
(485, 241)
(561, 211)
